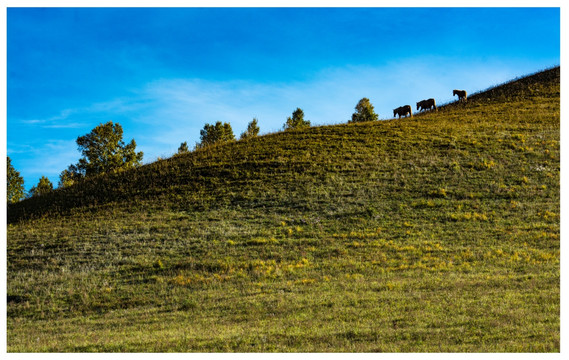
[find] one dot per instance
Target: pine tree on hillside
(215, 134)
(69, 176)
(296, 121)
(44, 186)
(15, 183)
(103, 151)
(364, 111)
(183, 149)
(252, 130)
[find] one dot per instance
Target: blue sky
(162, 73)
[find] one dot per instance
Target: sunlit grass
(438, 233)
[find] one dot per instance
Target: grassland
(438, 233)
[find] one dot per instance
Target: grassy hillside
(437, 233)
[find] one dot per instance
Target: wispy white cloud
(56, 120)
(182, 106)
(71, 125)
(47, 158)
(166, 112)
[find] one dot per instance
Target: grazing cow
(461, 94)
(427, 104)
(403, 111)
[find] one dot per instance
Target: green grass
(433, 234)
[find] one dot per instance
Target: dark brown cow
(427, 104)
(403, 111)
(461, 94)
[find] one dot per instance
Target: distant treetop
(215, 134)
(364, 111)
(103, 151)
(15, 183)
(44, 186)
(252, 130)
(296, 121)
(183, 149)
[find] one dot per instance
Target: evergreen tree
(252, 130)
(215, 134)
(296, 121)
(69, 176)
(15, 184)
(103, 151)
(183, 148)
(364, 111)
(44, 186)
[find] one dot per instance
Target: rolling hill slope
(436, 233)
